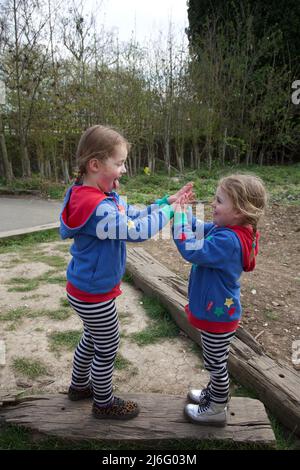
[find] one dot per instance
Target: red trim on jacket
(93, 298)
(82, 203)
(245, 235)
(209, 326)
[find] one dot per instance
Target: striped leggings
(215, 354)
(95, 354)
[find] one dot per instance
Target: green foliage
(122, 363)
(23, 284)
(232, 105)
(65, 339)
(20, 242)
(161, 325)
(16, 314)
(266, 16)
(30, 368)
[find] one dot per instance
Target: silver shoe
(213, 414)
(199, 396)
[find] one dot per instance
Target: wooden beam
(161, 418)
(25, 231)
(276, 384)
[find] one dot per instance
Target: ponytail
(79, 177)
(252, 253)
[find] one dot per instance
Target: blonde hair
(249, 196)
(97, 142)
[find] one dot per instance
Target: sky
(145, 17)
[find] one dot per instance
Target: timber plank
(161, 418)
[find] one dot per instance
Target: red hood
(82, 203)
(245, 235)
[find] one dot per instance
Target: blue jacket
(100, 224)
(219, 255)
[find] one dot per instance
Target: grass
(15, 314)
(64, 339)
(282, 183)
(28, 241)
(285, 440)
(238, 390)
(23, 284)
(51, 260)
(64, 302)
(34, 297)
(161, 325)
(128, 278)
(29, 368)
(63, 248)
(271, 314)
(121, 362)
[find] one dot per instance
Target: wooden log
(161, 418)
(25, 231)
(277, 385)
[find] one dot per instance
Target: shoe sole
(216, 424)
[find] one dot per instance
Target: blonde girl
(227, 247)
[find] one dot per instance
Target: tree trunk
(40, 159)
(167, 156)
(196, 155)
(151, 158)
(209, 152)
(64, 162)
(54, 164)
(8, 173)
(179, 151)
(129, 165)
(48, 171)
(261, 156)
(65, 170)
(41, 168)
(236, 156)
(26, 167)
(133, 162)
(191, 159)
(223, 153)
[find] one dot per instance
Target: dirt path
(28, 319)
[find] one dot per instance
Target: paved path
(26, 212)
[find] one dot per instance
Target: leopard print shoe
(75, 394)
(120, 409)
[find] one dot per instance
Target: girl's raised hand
(186, 189)
(181, 202)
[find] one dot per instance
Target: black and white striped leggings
(95, 354)
(216, 348)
